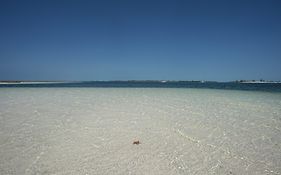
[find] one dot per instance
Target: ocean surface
(269, 87)
(199, 130)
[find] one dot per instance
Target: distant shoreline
(136, 81)
(31, 82)
(255, 82)
(141, 81)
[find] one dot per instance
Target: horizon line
(141, 80)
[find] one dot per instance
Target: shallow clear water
(182, 131)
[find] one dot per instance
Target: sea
(269, 87)
(181, 127)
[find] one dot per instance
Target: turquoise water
(181, 131)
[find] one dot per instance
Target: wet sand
(181, 131)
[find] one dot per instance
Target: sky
(140, 40)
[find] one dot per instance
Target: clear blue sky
(138, 39)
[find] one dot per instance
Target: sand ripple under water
(181, 131)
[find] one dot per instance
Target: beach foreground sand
(181, 131)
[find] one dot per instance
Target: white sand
(182, 131)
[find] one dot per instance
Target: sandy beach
(181, 131)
